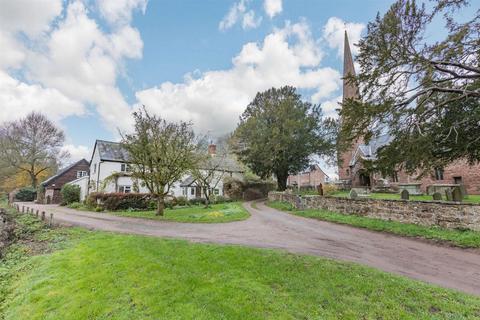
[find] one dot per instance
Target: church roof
(369, 151)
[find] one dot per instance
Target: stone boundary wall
(452, 215)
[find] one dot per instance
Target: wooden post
(36, 213)
(28, 210)
(51, 219)
(43, 215)
(23, 209)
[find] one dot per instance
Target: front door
(364, 179)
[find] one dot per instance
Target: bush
(70, 193)
(26, 194)
(196, 201)
(221, 199)
(182, 201)
(121, 201)
(329, 189)
(75, 205)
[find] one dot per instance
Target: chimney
(212, 149)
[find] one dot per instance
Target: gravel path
(269, 228)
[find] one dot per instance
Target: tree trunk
(33, 179)
(282, 181)
(207, 197)
(160, 205)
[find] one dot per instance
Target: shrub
(329, 189)
(182, 201)
(221, 199)
(196, 201)
(26, 194)
(70, 193)
(75, 205)
(120, 201)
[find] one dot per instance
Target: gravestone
(320, 189)
(463, 190)
(457, 194)
(448, 195)
(353, 194)
(404, 195)
(437, 196)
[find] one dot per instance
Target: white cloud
(249, 20)
(272, 7)
(83, 62)
(77, 152)
(120, 11)
(334, 34)
(13, 52)
(330, 107)
(31, 17)
(18, 99)
(238, 13)
(215, 99)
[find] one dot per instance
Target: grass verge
(97, 275)
(459, 238)
(223, 212)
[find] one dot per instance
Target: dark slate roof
(62, 171)
(369, 151)
(111, 151)
(187, 182)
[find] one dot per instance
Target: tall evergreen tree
(425, 94)
(278, 133)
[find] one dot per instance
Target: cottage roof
(63, 171)
(111, 151)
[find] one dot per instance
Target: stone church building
(352, 173)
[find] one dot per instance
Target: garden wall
(451, 215)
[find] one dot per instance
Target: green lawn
(223, 212)
(82, 274)
(473, 198)
(460, 238)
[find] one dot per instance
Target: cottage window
(192, 191)
(81, 174)
(125, 167)
(95, 168)
(438, 174)
(124, 189)
(216, 192)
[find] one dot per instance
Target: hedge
(121, 201)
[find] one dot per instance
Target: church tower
(350, 90)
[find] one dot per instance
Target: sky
(88, 64)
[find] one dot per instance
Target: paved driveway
(269, 228)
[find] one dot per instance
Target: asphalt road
(269, 228)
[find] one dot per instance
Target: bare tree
(208, 171)
(32, 144)
(160, 153)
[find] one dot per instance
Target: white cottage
(110, 172)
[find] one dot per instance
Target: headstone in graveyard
(353, 194)
(437, 196)
(448, 195)
(457, 194)
(320, 189)
(404, 195)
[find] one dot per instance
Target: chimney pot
(212, 149)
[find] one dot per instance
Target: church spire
(350, 90)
